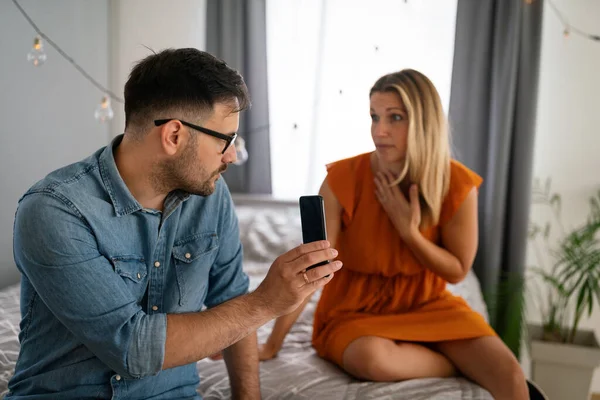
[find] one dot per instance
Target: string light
(37, 56)
(568, 28)
(104, 111)
(240, 151)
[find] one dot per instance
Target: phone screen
(312, 215)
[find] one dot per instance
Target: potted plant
(563, 356)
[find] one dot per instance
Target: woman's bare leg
(378, 359)
(488, 362)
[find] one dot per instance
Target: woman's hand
(404, 213)
(267, 351)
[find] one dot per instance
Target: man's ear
(171, 137)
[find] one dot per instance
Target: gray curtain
(492, 115)
(236, 33)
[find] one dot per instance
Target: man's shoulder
(70, 180)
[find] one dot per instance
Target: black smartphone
(312, 216)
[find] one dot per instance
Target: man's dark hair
(185, 80)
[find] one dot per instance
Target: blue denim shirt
(99, 275)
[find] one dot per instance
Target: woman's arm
(453, 260)
(459, 240)
(283, 324)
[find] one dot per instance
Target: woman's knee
(364, 358)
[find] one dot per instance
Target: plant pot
(563, 371)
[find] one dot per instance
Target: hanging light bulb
(37, 56)
(104, 111)
(240, 151)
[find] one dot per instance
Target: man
(120, 252)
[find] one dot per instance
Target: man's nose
(230, 155)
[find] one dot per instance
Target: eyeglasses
(229, 139)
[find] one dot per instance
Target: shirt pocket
(193, 257)
(134, 272)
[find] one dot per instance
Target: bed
(269, 228)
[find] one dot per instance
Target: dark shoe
(535, 393)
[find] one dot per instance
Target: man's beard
(183, 174)
(205, 188)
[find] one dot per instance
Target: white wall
(156, 24)
(568, 121)
(47, 112)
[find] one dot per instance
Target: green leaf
(597, 287)
(590, 301)
(581, 299)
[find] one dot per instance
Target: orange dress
(382, 290)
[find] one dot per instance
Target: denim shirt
(99, 275)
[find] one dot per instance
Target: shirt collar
(122, 199)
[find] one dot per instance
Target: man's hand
(288, 281)
(284, 288)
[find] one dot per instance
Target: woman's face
(389, 126)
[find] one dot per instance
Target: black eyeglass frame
(229, 139)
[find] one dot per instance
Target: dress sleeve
(462, 181)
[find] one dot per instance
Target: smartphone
(312, 216)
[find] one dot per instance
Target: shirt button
(139, 276)
(188, 255)
(118, 377)
(154, 308)
(157, 264)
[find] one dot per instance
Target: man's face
(202, 161)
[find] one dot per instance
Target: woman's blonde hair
(427, 161)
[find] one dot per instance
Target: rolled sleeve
(57, 251)
(227, 278)
(147, 349)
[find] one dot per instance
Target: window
(324, 56)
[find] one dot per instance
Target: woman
(404, 220)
